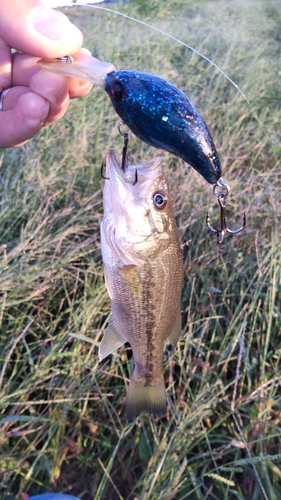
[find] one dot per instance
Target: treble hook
(102, 172)
(126, 136)
(222, 203)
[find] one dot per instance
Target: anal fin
(112, 340)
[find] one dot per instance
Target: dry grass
(62, 427)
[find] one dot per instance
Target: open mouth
(128, 174)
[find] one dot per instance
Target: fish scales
(143, 295)
(143, 274)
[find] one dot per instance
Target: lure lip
(80, 65)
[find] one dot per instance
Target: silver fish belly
(143, 271)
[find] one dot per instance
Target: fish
(143, 271)
(157, 112)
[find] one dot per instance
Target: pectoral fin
(112, 339)
(176, 331)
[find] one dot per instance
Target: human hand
(35, 98)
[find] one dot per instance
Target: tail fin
(145, 398)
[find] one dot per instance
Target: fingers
(31, 27)
(77, 87)
(25, 67)
(54, 90)
(36, 98)
(24, 120)
(5, 66)
(18, 121)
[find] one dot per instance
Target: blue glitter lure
(157, 112)
(163, 116)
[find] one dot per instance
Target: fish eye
(117, 91)
(159, 200)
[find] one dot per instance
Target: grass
(62, 427)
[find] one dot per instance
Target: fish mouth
(115, 159)
(132, 174)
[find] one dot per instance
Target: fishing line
(168, 35)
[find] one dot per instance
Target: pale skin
(37, 97)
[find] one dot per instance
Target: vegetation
(62, 427)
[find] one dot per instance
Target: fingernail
(82, 84)
(45, 112)
(55, 25)
(37, 115)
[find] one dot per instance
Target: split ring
(125, 134)
(221, 188)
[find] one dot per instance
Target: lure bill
(156, 111)
(143, 271)
(80, 66)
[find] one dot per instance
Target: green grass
(62, 427)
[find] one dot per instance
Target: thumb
(33, 28)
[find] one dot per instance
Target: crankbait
(162, 116)
(156, 111)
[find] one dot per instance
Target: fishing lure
(156, 111)
(163, 116)
(159, 114)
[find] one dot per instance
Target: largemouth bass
(143, 271)
(156, 111)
